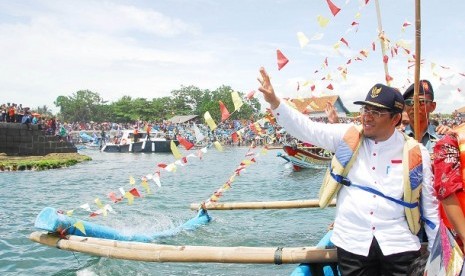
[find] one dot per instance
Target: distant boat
(157, 142)
(306, 157)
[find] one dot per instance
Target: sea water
(270, 178)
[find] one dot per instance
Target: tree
(79, 107)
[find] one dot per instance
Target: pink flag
(282, 60)
(334, 9)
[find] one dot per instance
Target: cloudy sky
(144, 48)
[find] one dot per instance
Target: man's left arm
(429, 202)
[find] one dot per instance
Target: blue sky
(146, 49)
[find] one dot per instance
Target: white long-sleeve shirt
(361, 215)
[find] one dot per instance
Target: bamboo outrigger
(287, 204)
(149, 252)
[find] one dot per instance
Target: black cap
(384, 96)
(425, 88)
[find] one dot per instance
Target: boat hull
(142, 146)
(306, 158)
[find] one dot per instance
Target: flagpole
(381, 40)
(416, 108)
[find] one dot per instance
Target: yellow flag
(209, 120)
(246, 162)
(69, 213)
(99, 203)
(303, 40)
(175, 150)
(146, 186)
(218, 146)
(237, 101)
(132, 181)
(79, 225)
(130, 197)
(323, 22)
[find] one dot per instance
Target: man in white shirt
(371, 232)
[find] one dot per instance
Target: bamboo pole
(383, 46)
(169, 253)
(290, 204)
(416, 107)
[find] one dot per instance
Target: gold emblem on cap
(375, 92)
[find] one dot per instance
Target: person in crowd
(448, 181)
(11, 118)
(427, 105)
(136, 134)
(26, 119)
(374, 231)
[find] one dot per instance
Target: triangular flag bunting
(80, 226)
(237, 101)
(303, 40)
(209, 121)
(218, 146)
(186, 144)
(224, 111)
(175, 150)
(334, 9)
(282, 60)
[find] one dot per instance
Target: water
(25, 194)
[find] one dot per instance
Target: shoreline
(40, 163)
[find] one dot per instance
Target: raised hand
(267, 89)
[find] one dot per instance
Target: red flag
(312, 87)
(224, 111)
(344, 41)
(330, 86)
(234, 137)
(334, 9)
(385, 59)
(186, 144)
(282, 60)
(250, 95)
(389, 78)
(134, 192)
(373, 45)
(161, 165)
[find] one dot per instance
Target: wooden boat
(307, 157)
(107, 242)
(156, 142)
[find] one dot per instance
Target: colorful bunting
(185, 143)
(218, 146)
(134, 192)
(282, 60)
(224, 112)
(198, 135)
(303, 40)
(322, 21)
(334, 9)
(80, 226)
(209, 121)
(237, 101)
(175, 150)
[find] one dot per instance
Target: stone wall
(16, 139)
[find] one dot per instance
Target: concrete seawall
(16, 139)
